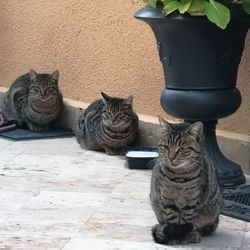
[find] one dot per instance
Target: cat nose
(171, 155)
(114, 121)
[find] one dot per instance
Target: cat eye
(121, 116)
(107, 114)
(181, 149)
(161, 150)
(52, 89)
(34, 88)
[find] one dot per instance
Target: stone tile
(57, 206)
(114, 231)
(4, 143)
(56, 213)
(28, 243)
(248, 226)
(10, 200)
(124, 217)
(24, 184)
(49, 199)
(37, 228)
(229, 223)
(55, 194)
(124, 202)
(45, 147)
(246, 242)
(224, 238)
(108, 244)
(6, 158)
(132, 190)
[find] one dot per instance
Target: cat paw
(112, 152)
(36, 128)
(158, 233)
(194, 237)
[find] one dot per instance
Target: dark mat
(24, 134)
(236, 202)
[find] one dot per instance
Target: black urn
(200, 63)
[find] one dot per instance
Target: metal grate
(236, 202)
(239, 198)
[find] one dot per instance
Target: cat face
(180, 146)
(117, 113)
(43, 88)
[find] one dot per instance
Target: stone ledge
(235, 146)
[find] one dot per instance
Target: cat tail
(159, 234)
(166, 233)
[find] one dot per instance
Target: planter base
(229, 172)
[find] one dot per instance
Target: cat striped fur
(108, 124)
(33, 100)
(185, 194)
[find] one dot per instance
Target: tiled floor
(54, 195)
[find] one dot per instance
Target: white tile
(54, 213)
(28, 243)
(55, 194)
(224, 238)
(246, 242)
(4, 143)
(66, 200)
(248, 226)
(107, 244)
(98, 230)
(37, 228)
(129, 217)
(10, 200)
(229, 223)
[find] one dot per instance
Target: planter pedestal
(200, 63)
(229, 172)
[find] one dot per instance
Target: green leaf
(197, 7)
(217, 13)
(171, 6)
(246, 6)
(151, 3)
(185, 4)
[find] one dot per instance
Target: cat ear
(33, 75)
(129, 100)
(196, 130)
(106, 98)
(165, 126)
(55, 75)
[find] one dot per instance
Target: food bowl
(141, 158)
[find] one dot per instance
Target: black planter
(200, 63)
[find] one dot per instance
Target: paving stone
(55, 195)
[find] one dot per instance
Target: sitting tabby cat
(33, 100)
(185, 194)
(108, 124)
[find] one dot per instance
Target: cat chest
(180, 195)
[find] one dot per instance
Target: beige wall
(97, 46)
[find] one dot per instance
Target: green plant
(216, 11)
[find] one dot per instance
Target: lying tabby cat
(33, 100)
(185, 194)
(108, 124)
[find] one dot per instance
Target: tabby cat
(185, 194)
(33, 100)
(108, 124)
